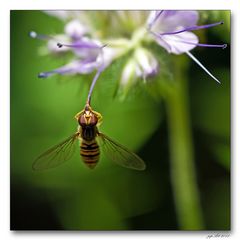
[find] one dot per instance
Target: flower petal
(85, 48)
(169, 21)
(153, 17)
(75, 29)
(108, 55)
(178, 43)
(85, 67)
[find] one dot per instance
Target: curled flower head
(126, 32)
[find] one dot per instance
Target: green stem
(183, 176)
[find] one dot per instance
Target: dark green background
(109, 197)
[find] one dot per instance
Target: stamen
(79, 45)
(59, 45)
(33, 34)
(192, 28)
(60, 71)
(223, 46)
(45, 74)
(200, 64)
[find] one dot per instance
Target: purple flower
(172, 31)
(90, 59)
(126, 32)
(88, 52)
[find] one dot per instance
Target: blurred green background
(72, 197)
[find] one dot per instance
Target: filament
(33, 34)
(192, 28)
(201, 65)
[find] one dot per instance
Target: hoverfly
(91, 140)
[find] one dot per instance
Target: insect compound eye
(82, 120)
(94, 120)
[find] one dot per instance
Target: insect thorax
(88, 133)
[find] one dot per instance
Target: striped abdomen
(90, 152)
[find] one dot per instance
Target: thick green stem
(183, 176)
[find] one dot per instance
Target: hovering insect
(91, 140)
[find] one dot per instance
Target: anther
(42, 75)
(32, 34)
(224, 46)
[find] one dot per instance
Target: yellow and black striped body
(89, 148)
(90, 152)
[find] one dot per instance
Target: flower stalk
(183, 173)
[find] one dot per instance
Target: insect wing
(56, 155)
(120, 154)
